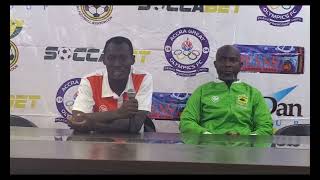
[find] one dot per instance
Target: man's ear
(133, 59)
(102, 56)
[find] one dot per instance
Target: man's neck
(229, 82)
(118, 85)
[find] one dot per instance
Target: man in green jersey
(228, 105)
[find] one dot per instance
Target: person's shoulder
(205, 86)
(147, 77)
(99, 72)
(140, 72)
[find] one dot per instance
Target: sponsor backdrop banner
(52, 47)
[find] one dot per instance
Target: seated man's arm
(128, 118)
(132, 124)
(83, 117)
(137, 121)
(263, 124)
(109, 121)
(190, 117)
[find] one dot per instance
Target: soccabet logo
(280, 15)
(283, 109)
(192, 8)
(30, 7)
(76, 54)
(15, 28)
(86, 54)
(95, 14)
(65, 97)
(23, 101)
(186, 49)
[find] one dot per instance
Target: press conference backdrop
(52, 47)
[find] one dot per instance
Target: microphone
(131, 93)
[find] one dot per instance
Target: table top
(257, 151)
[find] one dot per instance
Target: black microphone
(131, 93)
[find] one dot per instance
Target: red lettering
(266, 62)
(257, 61)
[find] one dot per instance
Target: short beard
(230, 79)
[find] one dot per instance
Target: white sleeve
(144, 95)
(84, 101)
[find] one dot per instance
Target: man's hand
(80, 122)
(129, 108)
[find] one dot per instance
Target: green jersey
(214, 107)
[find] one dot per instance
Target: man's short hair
(118, 40)
(227, 48)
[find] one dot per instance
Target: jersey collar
(106, 89)
(219, 81)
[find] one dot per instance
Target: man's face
(228, 63)
(118, 60)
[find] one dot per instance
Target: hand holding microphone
(130, 107)
(131, 93)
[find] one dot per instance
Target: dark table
(61, 151)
